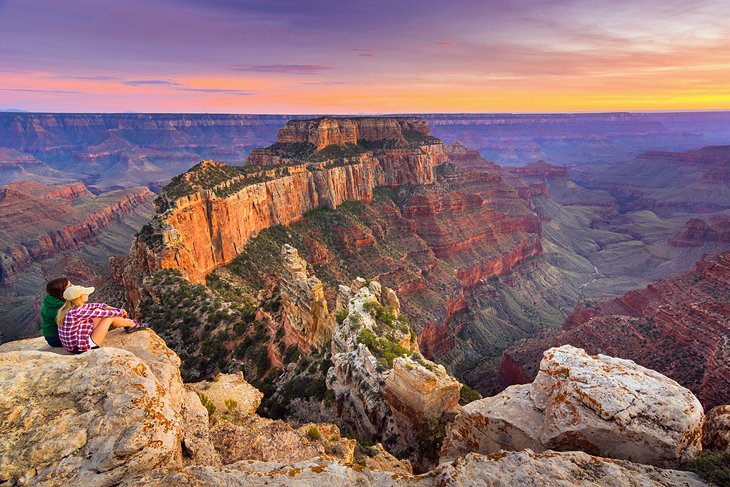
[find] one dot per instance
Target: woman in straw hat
(83, 326)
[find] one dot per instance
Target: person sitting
(83, 325)
(52, 302)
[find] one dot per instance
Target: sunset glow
(363, 57)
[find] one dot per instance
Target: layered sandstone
(41, 221)
(211, 212)
(327, 131)
(601, 405)
(678, 326)
(697, 231)
(305, 312)
(540, 169)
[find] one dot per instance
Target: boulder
(97, 417)
(231, 396)
(502, 470)
(716, 430)
(507, 421)
(89, 419)
(598, 404)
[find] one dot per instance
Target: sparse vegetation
(313, 434)
(467, 395)
(205, 400)
(384, 349)
(712, 467)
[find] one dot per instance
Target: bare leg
(101, 327)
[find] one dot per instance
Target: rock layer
(678, 326)
(208, 226)
(601, 405)
(41, 221)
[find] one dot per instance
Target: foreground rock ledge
(602, 405)
(118, 416)
(507, 469)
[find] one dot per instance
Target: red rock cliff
(40, 221)
(223, 207)
(679, 326)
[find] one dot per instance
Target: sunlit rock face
(98, 417)
(599, 404)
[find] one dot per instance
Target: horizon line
(370, 114)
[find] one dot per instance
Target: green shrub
(341, 315)
(384, 349)
(205, 400)
(313, 433)
(712, 467)
(291, 354)
(231, 404)
(467, 395)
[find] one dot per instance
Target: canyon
(678, 326)
(50, 231)
(479, 255)
(112, 151)
(362, 274)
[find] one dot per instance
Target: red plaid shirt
(78, 325)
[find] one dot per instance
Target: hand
(124, 313)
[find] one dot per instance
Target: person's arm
(95, 305)
(103, 313)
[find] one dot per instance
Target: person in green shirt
(52, 302)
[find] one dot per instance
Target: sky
(380, 56)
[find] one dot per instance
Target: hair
(68, 306)
(56, 287)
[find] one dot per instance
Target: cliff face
(219, 209)
(42, 221)
(383, 387)
(678, 326)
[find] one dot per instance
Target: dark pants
(54, 341)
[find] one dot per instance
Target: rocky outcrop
(716, 430)
(120, 415)
(504, 470)
(678, 326)
(601, 405)
(305, 313)
(93, 418)
(229, 394)
(41, 221)
(212, 211)
(384, 389)
(697, 232)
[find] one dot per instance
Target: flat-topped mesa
(539, 169)
(364, 131)
(207, 215)
(401, 147)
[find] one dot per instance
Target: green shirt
(49, 310)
